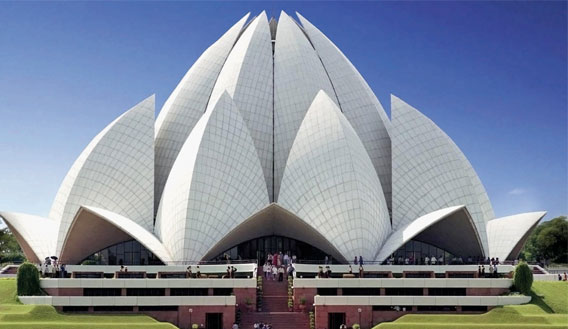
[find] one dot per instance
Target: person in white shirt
(427, 260)
(274, 272)
(433, 260)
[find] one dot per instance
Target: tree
(28, 280)
(523, 278)
(9, 248)
(549, 241)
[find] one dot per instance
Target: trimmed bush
(356, 326)
(28, 280)
(523, 278)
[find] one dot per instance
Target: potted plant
(290, 305)
(302, 303)
(248, 302)
(195, 326)
(356, 326)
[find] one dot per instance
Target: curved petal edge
(36, 235)
(95, 228)
(330, 183)
(507, 235)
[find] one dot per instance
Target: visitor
(328, 272)
(198, 273)
(411, 260)
(63, 271)
(433, 260)
(228, 275)
(495, 273)
(490, 271)
(121, 268)
(294, 259)
(406, 261)
(281, 273)
(497, 260)
(188, 273)
(274, 272)
(361, 272)
(325, 260)
(559, 277)
(320, 273)
(235, 326)
(350, 270)
(269, 258)
(286, 259)
(125, 269)
(275, 259)
(483, 270)
(266, 270)
(355, 261)
(565, 277)
(479, 271)
(426, 260)
(290, 270)
(279, 259)
(360, 260)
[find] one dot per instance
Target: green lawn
(15, 315)
(547, 309)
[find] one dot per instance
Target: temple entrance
(259, 248)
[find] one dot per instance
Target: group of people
(189, 273)
(562, 278)
(52, 269)
(260, 325)
(278, 264)
(327, 272)
(280, 259)
(274, 272)
(493, 273)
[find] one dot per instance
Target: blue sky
(492, 75)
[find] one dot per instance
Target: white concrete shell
(451, 229)
(507, 235)
(357, 102)
(429, 172)
(187, 103)
(95, 228)
(215, 184)
(36, 235)
(115, 171)
(331, 184)
(298, 77)
(247, 77)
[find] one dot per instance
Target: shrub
(356, 326)
(28, 280)
(523, 278)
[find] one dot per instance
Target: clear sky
(492, 75)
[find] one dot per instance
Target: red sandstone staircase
(275, 309)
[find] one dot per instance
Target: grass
(548, 309)
(13, 314)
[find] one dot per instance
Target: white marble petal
(215, 184)
(115, 171)
(330, 183)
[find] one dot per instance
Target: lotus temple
(273, 142)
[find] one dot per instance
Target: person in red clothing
(275, 259)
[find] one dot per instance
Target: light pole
(359, 310)
(190, 311)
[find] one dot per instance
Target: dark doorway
(335, 320)
(214, 320)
